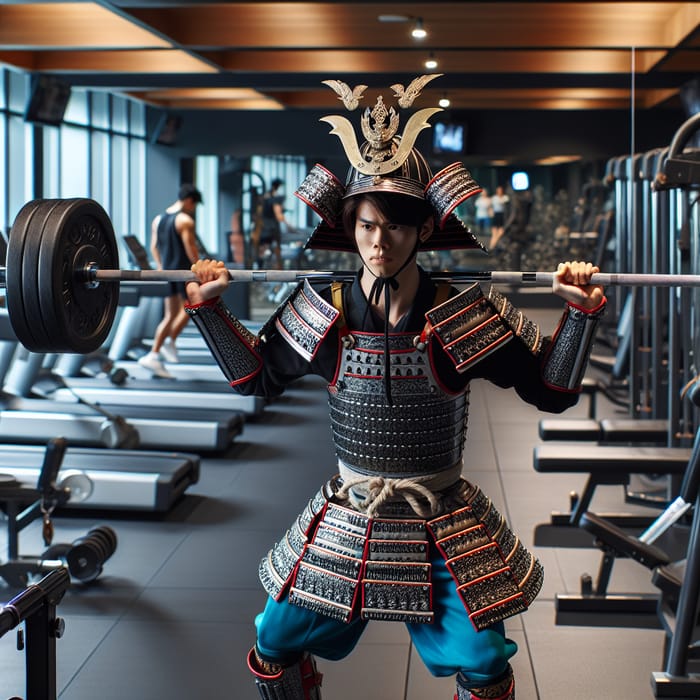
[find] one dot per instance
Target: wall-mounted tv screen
(48, 100)
(167, 130)
(448, 137)
(520, 181)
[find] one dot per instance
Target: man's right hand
(212, 280)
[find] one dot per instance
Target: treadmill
(100, 478)
(30, 420)
(122, 480)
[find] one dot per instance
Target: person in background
(272, 221)
(173, 247)
(483, 212)
(517, 226)
(399, 532)
(498, 203)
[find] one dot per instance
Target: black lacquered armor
(362, 545)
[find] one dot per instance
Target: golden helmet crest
(387, 162)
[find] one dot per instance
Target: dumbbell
(87, 555)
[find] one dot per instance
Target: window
(137, 188)
(51, 174)
(120, 114)
(98, 151)
(77, 111)
(99, 170)
(74, 152)
(99, 113)
(119, 209)
(19, 163)
(207, 182)
(4, 223)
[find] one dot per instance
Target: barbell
(62, 285)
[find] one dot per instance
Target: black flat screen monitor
(167, 130)
(448, 137)
(48, 100)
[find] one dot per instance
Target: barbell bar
(520, 279)
(62, 285)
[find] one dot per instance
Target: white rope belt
(369, 492)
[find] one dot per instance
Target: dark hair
(396, 208)
(189, 191)
(276, 183)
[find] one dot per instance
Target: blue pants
(449, 645)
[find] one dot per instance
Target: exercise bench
(605, 465)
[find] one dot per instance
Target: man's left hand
(572, 282)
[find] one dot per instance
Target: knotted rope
(381, 489)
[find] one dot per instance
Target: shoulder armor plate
(305, 319)
(470, 326)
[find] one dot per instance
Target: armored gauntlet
(230, 342)
(567, 356)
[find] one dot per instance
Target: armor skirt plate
(341, 563)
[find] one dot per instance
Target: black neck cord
(384, 285)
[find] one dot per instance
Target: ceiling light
(444, 102)
(418, 31)
(431, 62)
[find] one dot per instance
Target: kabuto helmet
(387, 162)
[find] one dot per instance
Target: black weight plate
(109, 532)
(84, 560)
(78, 315)
(22, 325)
(99, 539)
(100, 546)
(30, 274)
(111, 537)
(106, 538)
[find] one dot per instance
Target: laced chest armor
(352, 552)
(423, 431)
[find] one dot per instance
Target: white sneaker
(152, 362)
(169, 352)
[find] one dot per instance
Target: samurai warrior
(398, 532)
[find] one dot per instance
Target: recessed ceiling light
(418, 31)
(431, 62)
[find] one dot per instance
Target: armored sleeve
(566, 358)
(231, 343)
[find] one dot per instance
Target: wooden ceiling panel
(70, 25)
(465, 25)
(495, 55)
(137, 61)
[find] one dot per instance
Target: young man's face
(384, 246)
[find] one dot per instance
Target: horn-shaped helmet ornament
(387, 162)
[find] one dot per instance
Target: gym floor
(172, 614)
